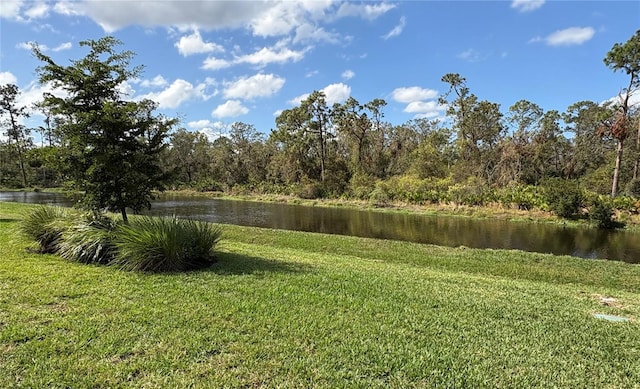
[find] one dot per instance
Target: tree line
(119, 151)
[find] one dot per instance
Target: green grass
(286, 309)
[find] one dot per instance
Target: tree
(625, 57)
(478, 126)
(590, 152)
(434, 153)
(188, 155)
(249, 162)
(15, 131)
(517, 154)
(357, 124)
(304, 132)
(112, 146)
(550, 147)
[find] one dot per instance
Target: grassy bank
(288, 309)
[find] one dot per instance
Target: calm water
(439, 230)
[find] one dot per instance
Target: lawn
(288, 309)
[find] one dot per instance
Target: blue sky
(212, 63)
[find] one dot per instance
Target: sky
(212, 63)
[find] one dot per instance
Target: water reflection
(440, 230)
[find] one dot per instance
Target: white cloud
(280, 19)
(231, 108)
(259, 85)
(260, 58)
(308, 32)
(198, 124)
(10, 9)
(336, 93)
(397, 30)
(116, 14)
(38, 11)
(266, 56)
(212, 130)
(125, 89)
(65, 8)
(32, 94)
(213, 63)
(158, 81)
(348, 74)
(413, 93)
(7, 78)
(425, 109)
(177, 93)
(30, 45)
(193, 44)
(527, 5)
(62, 46)
(365, 11)
(570, 36)
(535, 39)
(470, 55)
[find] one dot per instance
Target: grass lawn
(288, 309)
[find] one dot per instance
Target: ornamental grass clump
(161, 244)
(45, 225)
(90, 241)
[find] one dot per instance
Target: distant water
(440, 230)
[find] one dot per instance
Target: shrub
(633, 188)
(601, 214)
(90, 241)
(524, 197)
(379, 197)
(165, 244)
(310, 191)
(564, 197)
(45, 225)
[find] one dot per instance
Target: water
(440, 230)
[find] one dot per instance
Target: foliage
(633, 188)
(46, 225)
(15, 131)
(90, 241)
(564, 197)
(161, 244)
(361, 185)
(625, 57)
(310, 191)
(601, 214)
(524, 197)
(112, 144)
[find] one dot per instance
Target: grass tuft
(45, 225)
(90, 241)
(157, 244)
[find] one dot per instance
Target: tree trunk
(636, 166)
(123, 211)
(22, 170)
(17, 137)
(616, 172)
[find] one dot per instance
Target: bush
(165, 244)
(45, 225)
(310, 191)
(601, 214)
(90, 241)
(633, 188)
(524, 197)
(379, 197)
(564, 197)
